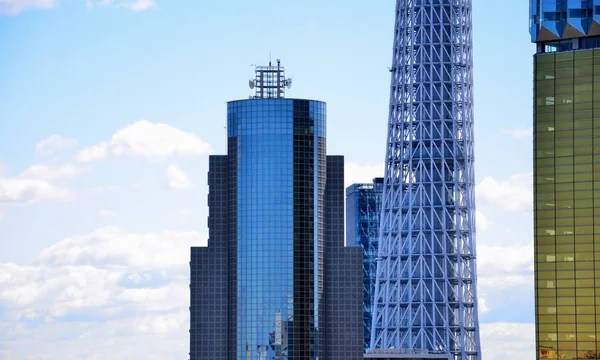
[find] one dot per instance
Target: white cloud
(503, 269)
(105, 189)
(50, 172)
(135, 5)
(67, 288)
(92, 3)
(514, 194)
(93, 153)
(482, 305)
(138, 5)
(499, 284)
(28, 191)
(180, 215)
(145, 139)
(163, 336)
(53, 144)
(518, 133)
(514, 341)
(13, 7)
(122, 288)
(362, 173)
(106, 214)
(177, 179)
(115, 246)
(498, 260)
(483, 223)
(33, 184)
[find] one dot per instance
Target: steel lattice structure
(426, 293)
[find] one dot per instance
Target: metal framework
(269, 82)
(426, 293)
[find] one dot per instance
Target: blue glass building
(561, 21)
(363, 211)
(275, 281)
(566, 120)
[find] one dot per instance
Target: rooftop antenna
(269, 82)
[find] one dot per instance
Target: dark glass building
(567, 177)
(276, 281)
(363, 211)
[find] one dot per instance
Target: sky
(110, 108)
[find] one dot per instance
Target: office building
(276, 281)
(567, 177)
(426, 287)
(363, 210)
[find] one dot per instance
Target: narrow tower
(426, 293)
(363, 208)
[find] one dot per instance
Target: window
(579, 13)
(552, 15)
(558, 46)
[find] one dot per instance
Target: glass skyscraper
(363, 211)
(276, 281)
(426, 287)
(567, 177)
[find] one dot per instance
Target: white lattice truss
(426, 293)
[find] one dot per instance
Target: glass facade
(552, 20)
(276, 281)
(363, 211)
(567, 204)
(280, 180)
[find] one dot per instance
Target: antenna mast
(269, 81)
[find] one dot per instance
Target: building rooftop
(269, 82)
(408, 356)
(552, 20)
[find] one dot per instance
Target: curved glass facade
(279, 147)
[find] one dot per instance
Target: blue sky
(109, 109)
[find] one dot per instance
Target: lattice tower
(426, 289)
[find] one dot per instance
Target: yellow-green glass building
(567, 178)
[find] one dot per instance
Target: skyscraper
(426, 288)
(276, 281)
(363, 211)
(567, 177)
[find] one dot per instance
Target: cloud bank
(13, 7)
(177, 179)
(54, 144)
(109, 288)
(147, 140)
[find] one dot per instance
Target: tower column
(426, 289)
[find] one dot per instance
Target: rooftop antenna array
(269, 82)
